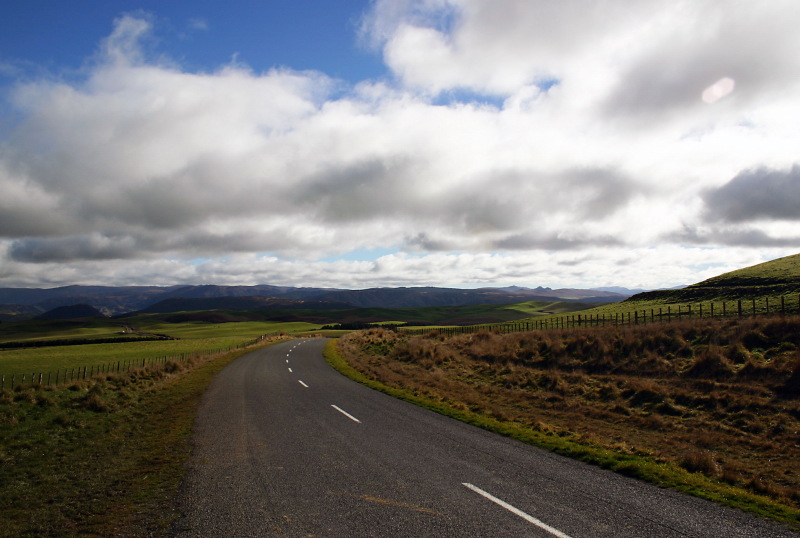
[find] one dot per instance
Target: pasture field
(199, 329)
(50, 359)
(192, 337)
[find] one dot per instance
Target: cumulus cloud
(596, 139)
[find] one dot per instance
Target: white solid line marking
(345, 413)
(306, 386)
(520, 513)
(290, 369)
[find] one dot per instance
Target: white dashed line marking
(345, 413)
(517, 511)
(306, 386)
(290, 369)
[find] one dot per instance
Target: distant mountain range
(777, 277)
(23, 303)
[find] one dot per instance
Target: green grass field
(198, 329)
(192, 337)
(46, 359)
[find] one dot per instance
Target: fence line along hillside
(765, 306)
(66, 376)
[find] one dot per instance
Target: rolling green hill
(769, 279)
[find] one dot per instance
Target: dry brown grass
(721, 398)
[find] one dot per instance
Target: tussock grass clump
(699, 461)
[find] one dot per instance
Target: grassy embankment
(101, 457)
(707, 407)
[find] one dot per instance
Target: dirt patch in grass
(714, 408)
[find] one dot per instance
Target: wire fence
(740, 308)
(67, 376)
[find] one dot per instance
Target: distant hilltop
(72, 312)
(773, 278)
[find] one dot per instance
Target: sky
(358, 144)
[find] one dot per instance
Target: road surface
(286, 446)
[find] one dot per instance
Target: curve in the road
(286, 446)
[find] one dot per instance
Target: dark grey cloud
(731, 237)
(598, 192)
(22, 221)
(147, 243)
(357, 192)
(473, 212)
(553, 242)
(65, 249)
(760, 194)
(425, 243)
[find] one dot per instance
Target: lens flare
(718, 90)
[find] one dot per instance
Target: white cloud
(602, 150)
(197, 23)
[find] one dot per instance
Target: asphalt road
(286, 446)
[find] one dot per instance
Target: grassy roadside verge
(101, 458)
(639, 465)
